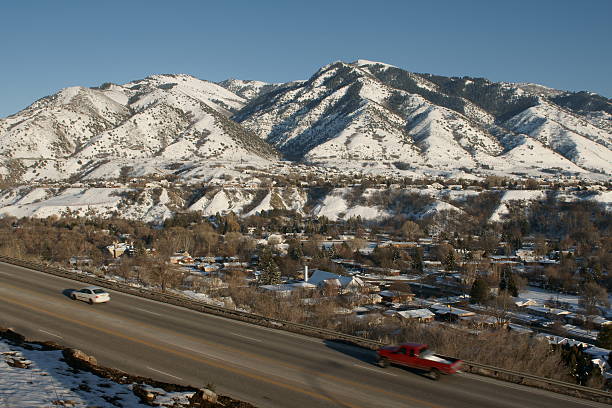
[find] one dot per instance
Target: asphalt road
(266, 367)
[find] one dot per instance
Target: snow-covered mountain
(359, 115)
(171, 117)
(370, 111)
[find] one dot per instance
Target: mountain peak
(364, 63)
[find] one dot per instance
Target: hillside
(125, 149)
(370, 111)
(163, 117)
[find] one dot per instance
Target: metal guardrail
(523, 376)
(193, 304)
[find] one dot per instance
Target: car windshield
(99, 291)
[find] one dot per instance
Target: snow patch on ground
(514, 195)
(49, 380)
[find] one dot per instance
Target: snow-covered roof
(444, 309)
(318, 277)
(277, 288)
(519, 329)
(303, 285)
(416, 314)
(520, 302)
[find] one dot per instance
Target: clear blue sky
(48, 45)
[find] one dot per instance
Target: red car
(418, 356)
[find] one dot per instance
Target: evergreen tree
(270, 272)
(604, 338)
(450, 263)
(507, 282)
(417, 261)
(295, 250)
(230, 223)
(396, 255)
(480, 291)
(579, 363)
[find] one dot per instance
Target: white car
(91, 294)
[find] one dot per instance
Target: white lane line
(375, 369)
(50, 334)
(164, 373)
(147, 311)
(203, 353)
(246, 337)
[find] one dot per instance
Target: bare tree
(499, 307)
(469, 272)
(161, 273)
(411, 230)
(591, 296)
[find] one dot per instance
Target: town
(449, 279)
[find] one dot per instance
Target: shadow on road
(368, 356)
(359, 353)
(68, 292)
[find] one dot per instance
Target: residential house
(395, 296)
(328, 280)
(116, 249)
(286, 289)
(449, 313)
(420, 315)
(547, 312)
(520, 302)
(181, 258)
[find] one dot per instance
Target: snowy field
(542, 295)
(47, 381)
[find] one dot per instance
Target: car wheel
(91, 301)
(73, 297)
(383, 362)
(435, 374)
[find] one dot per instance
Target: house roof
(318, 277)
(519, 329)
(277, 288)
(304, 285)
(444, 309)
(416, 314)
(520, 302)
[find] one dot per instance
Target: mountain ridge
(345, 115)
(470, 121)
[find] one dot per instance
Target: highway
(266, 367)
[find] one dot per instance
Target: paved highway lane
(266, 367)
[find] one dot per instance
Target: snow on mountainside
(250, 90)
(370, 111)
(355, 115)
(57, 126)
(184, 89)
(574, 138)
(176, 117)
(156, 202)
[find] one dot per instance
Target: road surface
(266, 367)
